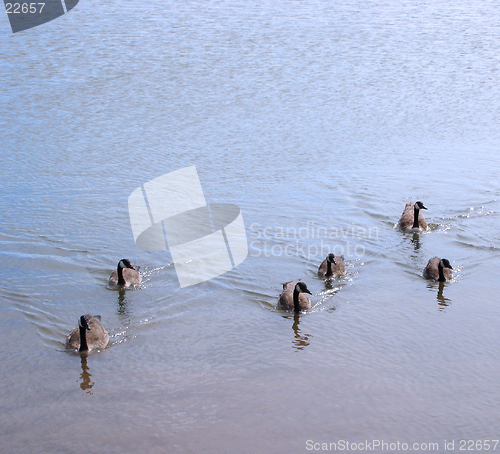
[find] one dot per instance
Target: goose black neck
(83, 339)
(296, 306)
(329, 271)
(119, 270)
(441, 273)
(415, 217)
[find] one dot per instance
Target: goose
(88, 335)
(293, 297)
(438, 269)
(412, 220)
(332, 267)
(125, 275)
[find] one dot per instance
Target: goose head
(84, 321)
(125, 263)
(420, 206)
(331, 258)
(445, 263)
(301, 287)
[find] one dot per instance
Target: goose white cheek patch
(205, 241)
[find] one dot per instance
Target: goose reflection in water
(416, 241)
(123, 311)
(300, 341)
(442, 301)
(86, 382)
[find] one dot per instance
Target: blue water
(319, 121)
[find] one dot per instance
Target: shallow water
(320, 121)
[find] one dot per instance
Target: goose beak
(307, 291)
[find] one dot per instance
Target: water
(320, 121)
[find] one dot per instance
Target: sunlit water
(319, 120)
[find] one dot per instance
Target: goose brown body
(412, 219)
(332, 267)
(293, 297)
(438, 269)
(88, 335)
(125, 275)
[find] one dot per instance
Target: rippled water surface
(319, 120)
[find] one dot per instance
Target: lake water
(319, 120)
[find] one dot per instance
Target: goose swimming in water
(412, 220)
(294, 298)
(88, 335)
(125, 275)
(332, 267)
(438, 270)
